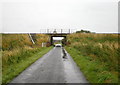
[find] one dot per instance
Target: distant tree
(83, 31)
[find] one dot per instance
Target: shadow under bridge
(63, 41)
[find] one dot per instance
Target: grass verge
(11, 71)
(0, 67)
(94, 70)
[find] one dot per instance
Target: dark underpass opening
(58, 40)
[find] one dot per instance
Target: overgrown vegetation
(0, 58)
(11, 71)
(13, 41)
(18, 52)
(96, 55)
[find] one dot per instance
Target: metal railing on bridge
(58, 31)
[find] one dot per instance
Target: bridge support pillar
(51, 40)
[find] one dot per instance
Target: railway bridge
(59, 33)
(64, 35)
(56, 33)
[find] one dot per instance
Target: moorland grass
(0, 67)
(18, 53)
(21, 62)
(96, 55)
(13, 41)
(0, 58)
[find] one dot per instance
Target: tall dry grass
(16, 47)
(0, 58)
(97, 55)
(18, 52)
(40, 38)
(11, 41)
(99, 46)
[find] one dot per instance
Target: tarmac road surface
(52, 68)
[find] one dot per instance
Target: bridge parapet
(57, 31)
(58, 34)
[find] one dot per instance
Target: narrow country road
(52, 68)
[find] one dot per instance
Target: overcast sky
(22, 16)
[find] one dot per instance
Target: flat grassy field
(96, 55)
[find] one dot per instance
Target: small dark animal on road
(64, 53)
